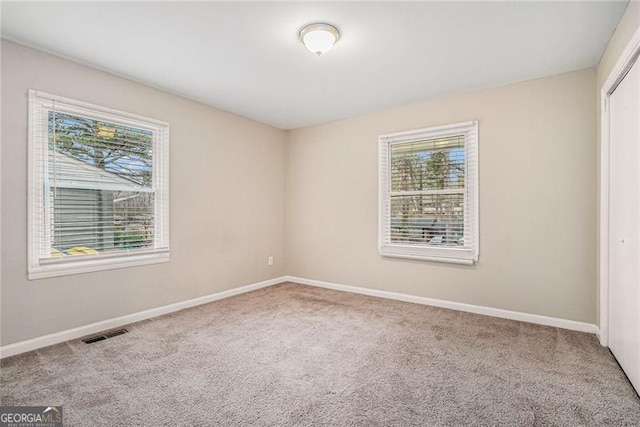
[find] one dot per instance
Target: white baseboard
(477, 309)
(71, 334)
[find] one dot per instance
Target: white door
(624, 226)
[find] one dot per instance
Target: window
(428, 200)
(99, 188)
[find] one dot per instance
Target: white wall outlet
(270, 260)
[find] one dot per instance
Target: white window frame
(466, 255)
(38, 146)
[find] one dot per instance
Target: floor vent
(104, 336)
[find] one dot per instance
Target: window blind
(99, 183)
(428, 193)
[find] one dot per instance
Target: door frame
(626, 60)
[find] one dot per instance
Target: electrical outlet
(270, 260)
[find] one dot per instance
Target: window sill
(91, 265)
(447, 255)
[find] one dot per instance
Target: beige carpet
(292, 355)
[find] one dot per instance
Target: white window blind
(99, 188)
(428, 193)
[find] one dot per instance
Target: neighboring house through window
(428, 193)
(99, 188)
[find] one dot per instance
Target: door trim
(620, 70)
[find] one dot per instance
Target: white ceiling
(246, 57)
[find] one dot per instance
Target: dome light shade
(319, 37)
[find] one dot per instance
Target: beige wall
(231, 179)
(537, 200)
(628, 25)
(227, 202)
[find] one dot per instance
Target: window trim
(423, 252)
(37, 268)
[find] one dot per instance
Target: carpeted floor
(292, 355)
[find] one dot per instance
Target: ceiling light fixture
(319, 37)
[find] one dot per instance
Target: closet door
(624, 229)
